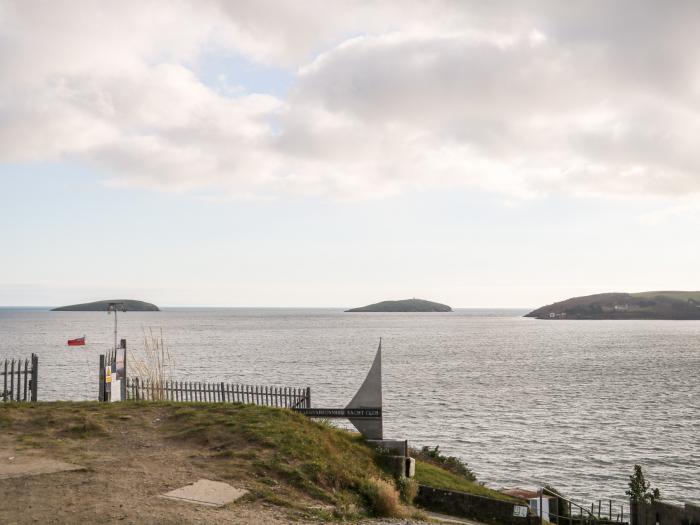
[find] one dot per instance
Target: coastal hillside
(670, 305)
(101, 306)
(404, 305)
(294, 469)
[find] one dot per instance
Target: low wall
(662, 513)
(469, 506)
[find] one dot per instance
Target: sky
(332, 154)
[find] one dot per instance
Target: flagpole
(114, 307)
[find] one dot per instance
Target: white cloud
(519, 99)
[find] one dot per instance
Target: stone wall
(469, 506)
(663, 513)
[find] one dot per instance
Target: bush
(450, 463)
(640, 489)
(408, 488)
(383, 498)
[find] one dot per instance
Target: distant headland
(670, 305)
(404, 305)
(131, 305)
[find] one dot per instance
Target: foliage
(408, 488)
(383, 498)
(450, 463)
(640, 489)
(436, 476)
(154, 364)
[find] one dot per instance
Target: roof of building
(524, 493)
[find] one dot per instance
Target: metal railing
(570, 512)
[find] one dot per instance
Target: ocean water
(571, 403)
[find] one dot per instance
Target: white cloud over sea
(520, 99)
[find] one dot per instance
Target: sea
(525, 402)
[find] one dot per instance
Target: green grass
(283, 457)
(434, 476)
(323, 462)
(682, 296)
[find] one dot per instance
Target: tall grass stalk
(154, 364)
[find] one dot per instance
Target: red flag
(80, 341)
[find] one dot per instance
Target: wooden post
(35, 377)
(540, 509)
(610, 510)
(24, 387)
(4, 383)
(12, 380)
(308, 397)
(123, 383)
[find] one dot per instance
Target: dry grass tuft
(85, 427)
(154, 364)
(408, 488)
(384, 498)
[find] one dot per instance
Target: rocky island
(131, 305)
(670, 305)
(404, 305)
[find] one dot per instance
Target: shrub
(154, 363)
(408, 488)
(640, 489)
(450, 463)
(383, 498)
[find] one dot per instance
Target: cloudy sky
(314, 153)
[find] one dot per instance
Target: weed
(86, 427)
(383, 498)
(451, 463)
(408, 488)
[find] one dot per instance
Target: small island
(130, 305)
(670, 305)
(404, 305)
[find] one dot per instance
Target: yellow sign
(108, 374)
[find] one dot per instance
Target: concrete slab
(206, 492)
(19, 466)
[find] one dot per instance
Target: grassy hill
(404, 305)
(295, 468)
(681, 296)
(671, 305)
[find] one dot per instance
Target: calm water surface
(571, 403)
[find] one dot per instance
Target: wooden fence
(20, 379)
(286, 397)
